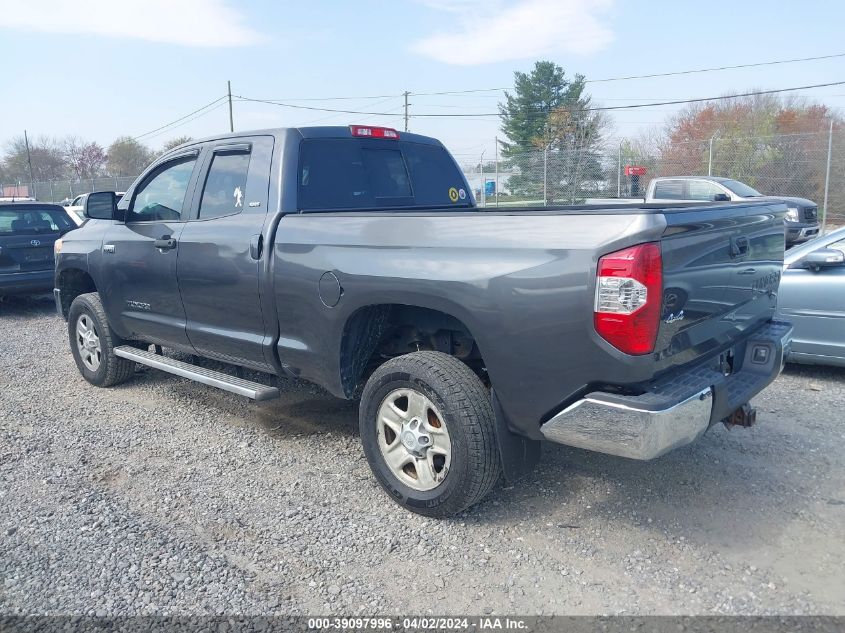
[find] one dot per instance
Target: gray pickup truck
(356, 258)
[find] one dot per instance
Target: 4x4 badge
(674, 317)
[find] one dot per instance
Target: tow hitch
(746, 415)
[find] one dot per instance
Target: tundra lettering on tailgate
(767, 284)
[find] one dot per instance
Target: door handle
(165, 243)
(748, 271)
(256, 242)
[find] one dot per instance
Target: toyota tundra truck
(356, 258)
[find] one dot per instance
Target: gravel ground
(164, 496)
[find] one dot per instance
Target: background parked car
(812, 296)
(28, 231)
(802, 216)
(77, 206)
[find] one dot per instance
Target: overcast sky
(103, 68)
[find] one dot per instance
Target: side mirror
(101, 205)
(721, 197)
(823, 258)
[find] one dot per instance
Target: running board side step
(253, 390)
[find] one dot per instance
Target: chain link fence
(64, 190)
(800, 165)
(808, 165)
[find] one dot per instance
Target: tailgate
(26, 253)
(721, 271)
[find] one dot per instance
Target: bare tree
(86, 160)
(127, 157)
(175, 142)
(48, 159)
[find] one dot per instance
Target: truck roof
(321, 131)
(29, 203)
(713, 178)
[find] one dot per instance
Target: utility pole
(405, 94)
(827, 174)
(28, 159)
(496, 144)
(545, 175)
(619, 171)
(710, 157)
(481, 172)
(231, 118)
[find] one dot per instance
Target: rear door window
(373, 174)
(669, 190)
(225, 185)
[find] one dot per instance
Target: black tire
(464, 403)
(111, 370)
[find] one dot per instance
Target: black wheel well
(376, 333)
(74, 282)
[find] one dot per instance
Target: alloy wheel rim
(88, 342)
(413, 439)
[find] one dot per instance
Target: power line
(544, 113)
(219, 105)
(140, 136)
(364, 98)
(633, 106)
(658, 103)
(302, 107)
(367, 105)
(601, 80)
(649, 76)
(718, 68)
(209, 107)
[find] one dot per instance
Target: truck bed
(522, 282)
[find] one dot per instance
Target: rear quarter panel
(522, 284)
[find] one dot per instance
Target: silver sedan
(812, 296)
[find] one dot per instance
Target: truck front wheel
(92, 343)
(428, 431)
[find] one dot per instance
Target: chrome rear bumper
(675, 411)
(628, 431)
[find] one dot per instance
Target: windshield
(741, 189)
(336, 174)
(26, 221)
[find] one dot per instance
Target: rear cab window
(703, 190)
(338, 174)
(669, 190)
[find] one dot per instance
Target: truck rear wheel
(428, 431)
(92, 343)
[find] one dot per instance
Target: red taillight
(373, 132)
(629, 289)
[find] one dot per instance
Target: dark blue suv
(28, 231)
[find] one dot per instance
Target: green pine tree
(551, 133)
